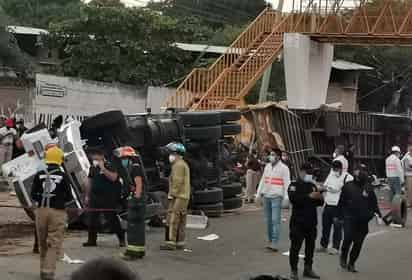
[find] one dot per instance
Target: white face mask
(308, 178)
(335, 155)
(172, 158)
(95, 163)
(336, 173)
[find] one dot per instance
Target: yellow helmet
(54, 155)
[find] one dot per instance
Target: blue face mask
(125, 163)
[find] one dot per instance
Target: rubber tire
(232, 203)
(230, 115)
(399, 210)
(206, 196)
(211, 210)
(200, 118)
(103, 120)
(203, 133)
(231, 129)
(231, 190)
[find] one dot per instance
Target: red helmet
(126, 151)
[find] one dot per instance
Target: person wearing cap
(394, 172)
(136, 203)
(305, 198)
(334, 183)
(50, 192)
(179, 196)
(7, 136)
(407, 168)
(104, 193)
(357, 205)
(272, 189)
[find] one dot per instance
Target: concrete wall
(157, 96)
(75, 97)
(307, 71)
(347, 96)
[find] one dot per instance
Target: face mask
(308, 178)
(125, 163)
(273, 159)
(172, 158)
(336, 173)
(95, 163)
(334, 155)
(284, 158)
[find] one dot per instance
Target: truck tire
(103, 120)
(203, 133)
(232, 203)
(231, 190)
(200, 118)
(230, 115)
(206, 196)
(231, 129)
(399, 210)
(211, 210)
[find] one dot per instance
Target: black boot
(351, 268)
(294, 275)
(309, 273)
(91, 240)
(343, 263)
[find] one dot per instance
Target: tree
(119, 44)
(40, 13)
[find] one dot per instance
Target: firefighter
(51, 192)
(358, 204)
(134, 179)
(305, 198)
(104, 193)
(179, 195)
(394, 172)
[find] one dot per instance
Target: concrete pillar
(264, 88)
(308, 66)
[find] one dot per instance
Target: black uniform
(357, 206)
(136, 237)
(303, 222)
(104, 194)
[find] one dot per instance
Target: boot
(309, 273)
(351, 268)
(343, 263)
(122, 240)
(91, 240)
(294, 275)
(46, 276)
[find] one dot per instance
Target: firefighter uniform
(179, 192)
(51, 192)
(303, 222)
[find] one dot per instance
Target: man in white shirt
(334, 183)
(339, 155)
(407, 168)
(394, 172)
(273, 189)
(7, 137)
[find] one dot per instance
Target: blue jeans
(395, 185)
(272, 208)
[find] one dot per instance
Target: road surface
(238, 254)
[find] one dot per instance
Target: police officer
(358, 204)
(134, 179)
(51, 192)
(105, 193)
(179, 195)
(305, 198)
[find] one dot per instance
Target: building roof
(26, 30)
(349, 66)
(337, 64)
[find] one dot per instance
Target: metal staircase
(230, 78)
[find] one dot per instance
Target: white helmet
(396, 149)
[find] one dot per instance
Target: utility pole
(264, 88)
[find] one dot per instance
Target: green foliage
(225, 36)
(128, 45)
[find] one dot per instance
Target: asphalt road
(238, 254)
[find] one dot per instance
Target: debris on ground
(210, 237)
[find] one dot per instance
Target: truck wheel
(211, 210)
(200, 118)
(203, 133)
(231, 129)
(211, 195)
(232, 203)
(230, 115)
(103, 120)
(231, 190)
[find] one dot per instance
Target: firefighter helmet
(54, 155)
